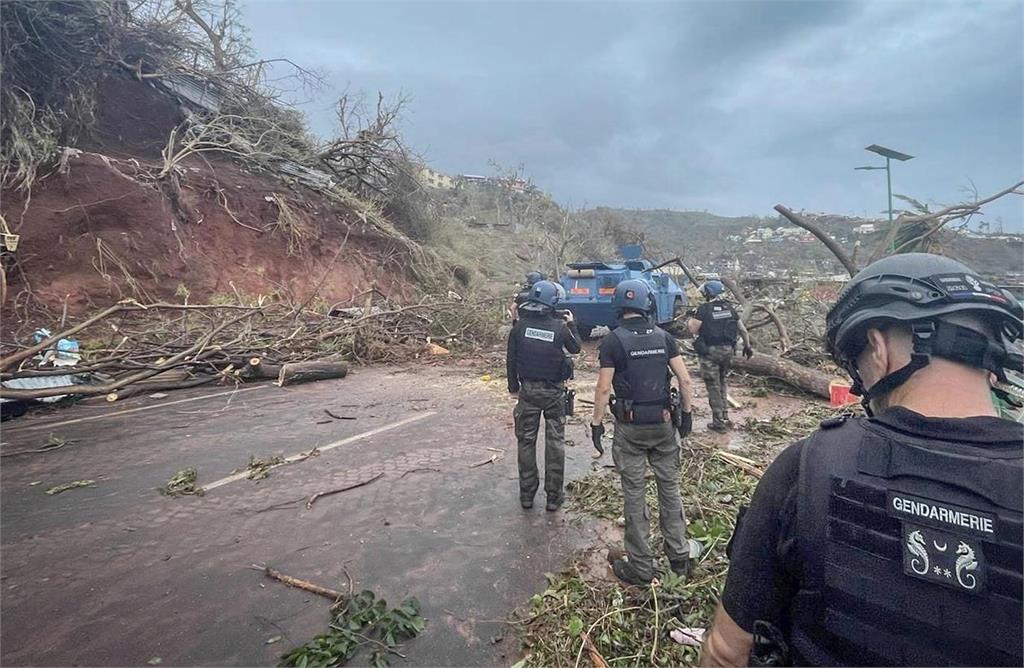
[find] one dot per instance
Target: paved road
(117, 574)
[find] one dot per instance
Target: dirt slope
(95, 229)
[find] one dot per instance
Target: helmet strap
(948, 341)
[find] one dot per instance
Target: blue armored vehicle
(589, 287)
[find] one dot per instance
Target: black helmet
(533, 277)
(916, 289)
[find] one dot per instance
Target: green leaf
(575, 626)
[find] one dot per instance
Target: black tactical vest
(645, 381)
(720, 327)
(540, 355)
(911, 550)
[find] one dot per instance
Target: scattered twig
(490, 460)
(739, 462)
(300, 584)
(312, 499)
(70, 485)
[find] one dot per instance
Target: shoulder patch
(833, 422)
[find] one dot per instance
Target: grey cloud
(730, 106)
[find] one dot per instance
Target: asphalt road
(117, 574)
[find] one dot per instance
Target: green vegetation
(357, 622)
(581, 612)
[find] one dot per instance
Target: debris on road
(339, 417)
(304, 372)
(312, 499)
(305, 585)
(70, 485)
(52, 443)
(361, 621)
(490, 460)
(183, 483)
(259, 468)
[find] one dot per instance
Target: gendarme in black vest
(913, 549)
(645, 381)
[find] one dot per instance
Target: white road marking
(330, 446)
(105, 416)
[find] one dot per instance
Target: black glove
(596, 432)
(748, 352)
(686, 424)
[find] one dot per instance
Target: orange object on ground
(839, 394)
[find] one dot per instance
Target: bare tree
(908, 232)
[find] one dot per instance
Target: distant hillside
(772, 245)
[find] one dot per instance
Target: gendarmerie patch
(648, 352)
(720, 313)
(540, 334)
(941, 515)
(949, 559)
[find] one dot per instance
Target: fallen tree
(167, 346)
(803, 378)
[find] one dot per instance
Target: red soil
(98, 203)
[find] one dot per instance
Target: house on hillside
(866, 228)
(431, 178)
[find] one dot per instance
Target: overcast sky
(727, 106)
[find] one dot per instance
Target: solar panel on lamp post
(888, 154)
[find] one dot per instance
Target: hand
(748, 352)
(568, 317)
(687, 424)
(596, 432)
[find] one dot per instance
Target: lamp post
(888, 154)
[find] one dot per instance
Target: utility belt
(703, 348)
(632, 412)
(569, 397)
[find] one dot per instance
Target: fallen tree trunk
(255, 369)
(304, 372)
(791, 373)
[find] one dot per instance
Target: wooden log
(147, 388)
(304, 372)
(255, 369)
(811, 381)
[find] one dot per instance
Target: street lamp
(888, 154)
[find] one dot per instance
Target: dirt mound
(98, 228)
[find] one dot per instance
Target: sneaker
(624, 571)
(555, 502)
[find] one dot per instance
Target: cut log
(255, 369)
(304, 372)
(791, 373)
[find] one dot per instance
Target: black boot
(624, 571)
(526, 500)
(555, 501)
